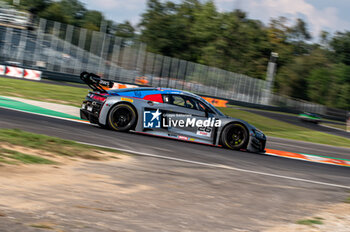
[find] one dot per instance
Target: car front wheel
(235, 136)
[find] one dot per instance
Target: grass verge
(336, 126)
(280, 129)
(310, 222)
(282, 113)
(13, 157)
(43, 92)
(74, 96)
(42, 226)
(43, 143)
(347, 200)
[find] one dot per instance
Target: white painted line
(45, 115)
(219, 166)
(333, 128)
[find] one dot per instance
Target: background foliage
(196, 31)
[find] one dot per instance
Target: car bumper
(90, 111)
(257, 142)
(257, 145)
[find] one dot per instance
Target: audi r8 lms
(168, 113)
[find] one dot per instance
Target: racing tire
(235, 136)
(122, 117)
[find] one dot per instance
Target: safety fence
(62, 48)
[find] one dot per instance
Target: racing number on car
(205, 131)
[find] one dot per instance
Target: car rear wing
(95, 82)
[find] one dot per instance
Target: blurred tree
(162, 29)
(92, 20)
(339, 87)
(74, 11)
(202, 28)
(319, 82)
(340, 43)
(55, 12)
(125, 30)
(298, 36)
(293, 77)
(278, 38)
(324, 38)
(299, 31)
(34, 6)
(241, 45)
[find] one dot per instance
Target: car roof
(153, 90)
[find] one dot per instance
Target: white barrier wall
(2, 69)
(14, 71)
(32, 74)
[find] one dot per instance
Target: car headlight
(258, 133)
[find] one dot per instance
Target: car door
(185, 108)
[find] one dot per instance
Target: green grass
(276, 112)
(280, 129)
(42, 226)
(10, 157)
(74, 96)
(42, 92)
(248, 108)
(50, 144)
(310, 222)
(337, 126)
(347, 200)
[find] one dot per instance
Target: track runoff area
(18, 105)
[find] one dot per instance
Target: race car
(167, 113)
(310, 117)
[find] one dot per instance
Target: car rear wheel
(235, 136)
(122, 117)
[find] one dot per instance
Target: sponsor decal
(191, 122)
(204, 131)
(137, 94)
(183, 137)
(151, 118)
(127, 99)
(106, 83)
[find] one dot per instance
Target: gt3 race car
(168, 113)
(310, 117)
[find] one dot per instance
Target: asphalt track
(296, 121)
(275, 167)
